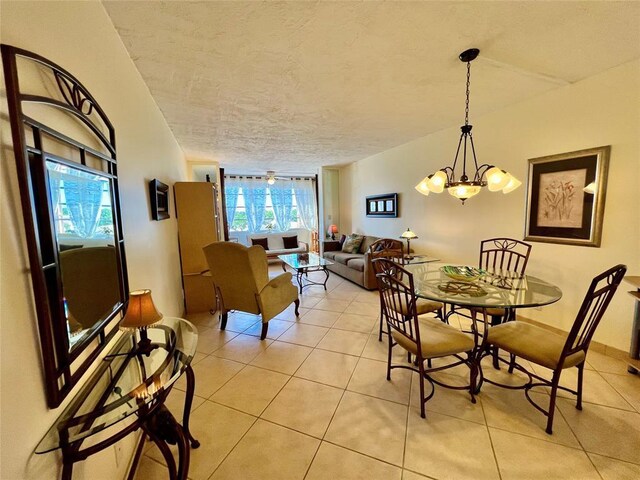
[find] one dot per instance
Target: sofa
(275, 243)
(356, 267)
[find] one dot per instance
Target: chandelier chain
(466, 107)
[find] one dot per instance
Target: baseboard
(595, 346)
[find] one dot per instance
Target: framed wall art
(159, 195)
(382, 205)
(565, 197)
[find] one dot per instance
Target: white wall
(601, 110)
(330, 201)
(80, 37)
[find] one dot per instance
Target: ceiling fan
(271, 177)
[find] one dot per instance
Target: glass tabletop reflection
(495, 289)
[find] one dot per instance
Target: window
(240, 223)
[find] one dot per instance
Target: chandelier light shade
(271, 177)
(463, 186)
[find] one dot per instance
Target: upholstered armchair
(240, 277)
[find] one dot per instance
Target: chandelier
(463, 186)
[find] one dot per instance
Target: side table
(133, 386)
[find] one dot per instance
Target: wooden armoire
(198, 217)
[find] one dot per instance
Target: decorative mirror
(64, 146)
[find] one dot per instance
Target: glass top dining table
(495, 289)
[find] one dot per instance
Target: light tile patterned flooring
(312, 402)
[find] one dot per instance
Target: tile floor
(312, 402)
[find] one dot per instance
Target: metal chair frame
(397, 288)
(594, 305)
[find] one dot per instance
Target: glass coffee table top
(299, 261)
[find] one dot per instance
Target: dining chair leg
(552, 402)
(389, 359)
(496, 362)
(579, 394)
(421, 370)
(473, 374)
(381, 319)
(512, 362)
(223, 321)
(297, 304)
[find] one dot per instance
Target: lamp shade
(497, 179)
(464, 191)
(333, 229)
(408, 234)
(437, 181)
(511, 185)
(141, 312)
(591, 188)
(422, 187)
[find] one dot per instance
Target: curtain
(83, 197)
(305, 192)
(254, 191)
(282, 201)
(231, 190)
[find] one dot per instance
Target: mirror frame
(63, 367)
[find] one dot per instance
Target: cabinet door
(197, 223)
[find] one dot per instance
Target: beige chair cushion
(532, 343)
(422, 306)
(437, 339)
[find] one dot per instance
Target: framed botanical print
(565, 197)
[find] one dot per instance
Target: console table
(127, 393)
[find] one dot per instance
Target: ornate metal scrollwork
(74, 95)
(505, 244)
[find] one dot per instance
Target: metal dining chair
(393, 250)
(554, 351)
(425, 338)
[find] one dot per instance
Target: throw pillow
(260, 241)
(290, 242)
(352, 243)
(342, 239)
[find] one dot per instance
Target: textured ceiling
(294, 85)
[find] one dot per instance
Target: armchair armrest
(331, 245)
(278, 282)
(303, 245)
(276, 295)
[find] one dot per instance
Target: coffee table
(303, 263)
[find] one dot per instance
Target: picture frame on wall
(159, 197)
(382, 205)
(566, 196)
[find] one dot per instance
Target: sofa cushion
(343, 258)
(366, 243)
(352, 243)
(286, 251)
(260, 241)
(290, 242)
(330, 255)
(356, 264)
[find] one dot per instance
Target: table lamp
(409, 235)
(333, 229)
(141, 314)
